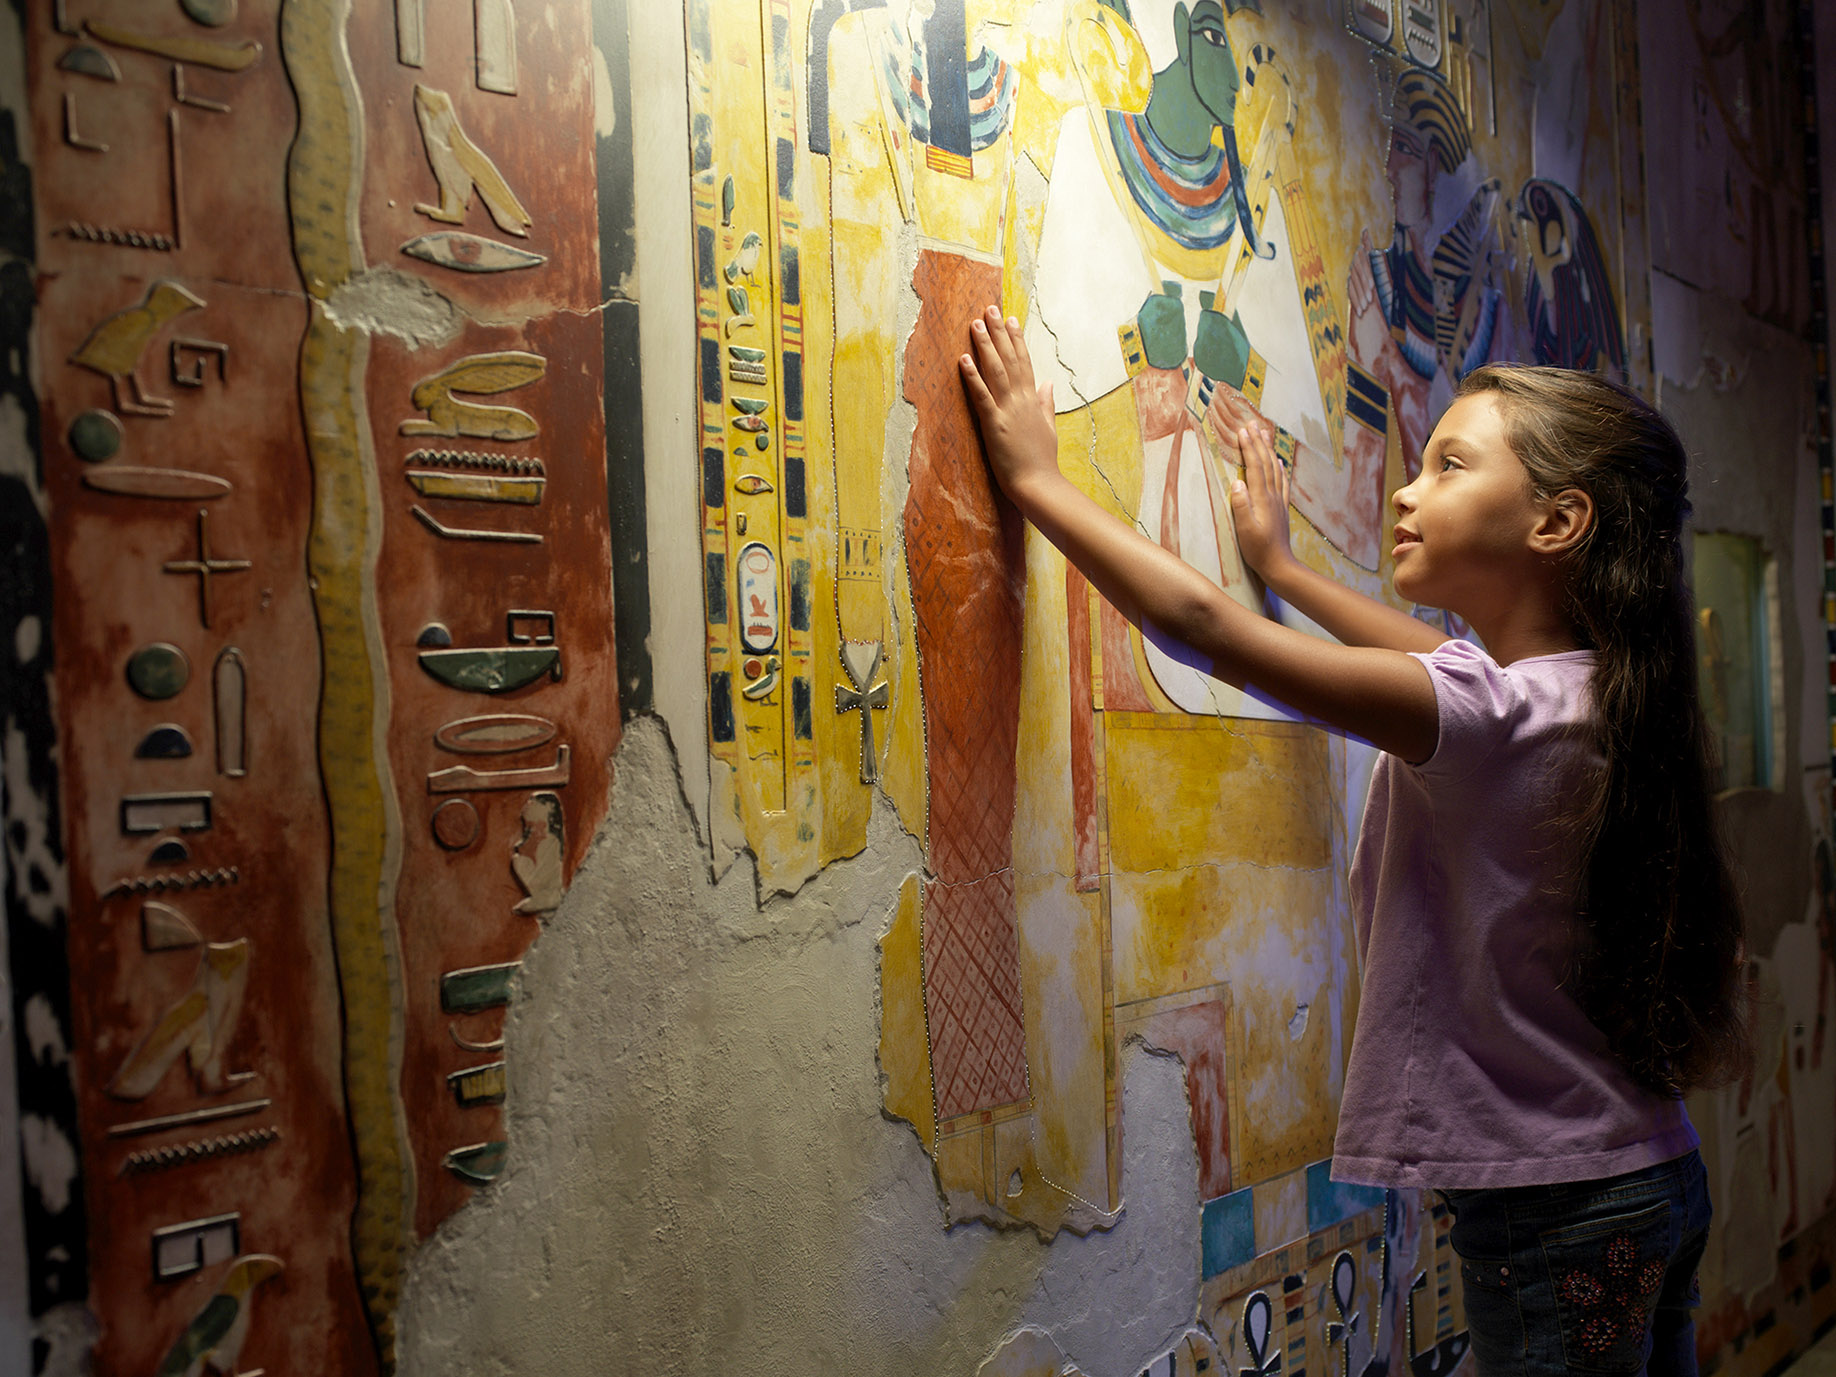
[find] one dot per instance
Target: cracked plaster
(687, 1185)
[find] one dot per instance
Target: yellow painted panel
(1184, 929)
(903, 776)
(968, 212)
(1099, 449)
(1061, 973)
(846, 803)
(1043, 816)
(1183, 787)
(1281, 1082)
(962, 1174)
(905, 1051)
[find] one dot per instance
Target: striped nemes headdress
(1431, 110)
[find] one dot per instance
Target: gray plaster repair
(700, 1174)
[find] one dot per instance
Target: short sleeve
(1479, 706)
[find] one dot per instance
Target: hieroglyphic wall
(324, 481)
(1116, 848)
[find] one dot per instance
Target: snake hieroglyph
(324, 169)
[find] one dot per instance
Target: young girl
(1538, 829)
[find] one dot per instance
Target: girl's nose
(1403, 499)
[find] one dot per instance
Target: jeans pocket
(1608, 1274)
(1486, 1277)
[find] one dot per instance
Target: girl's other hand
(1259, 504)
(1016, 415)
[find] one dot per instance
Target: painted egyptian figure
(1178, 158)
(1149, 210)
(1425, 309)
(1568, 300)
(1159, 270)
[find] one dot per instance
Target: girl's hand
(1016, 415)
(1259, 505)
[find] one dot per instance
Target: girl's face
(1463, 537)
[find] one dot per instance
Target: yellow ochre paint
(324, 168)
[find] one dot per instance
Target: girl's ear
(1567, 519)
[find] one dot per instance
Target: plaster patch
(1116, 1299)
(50, 1161)
(42, 1033)
(1027, 1352)
(36, 876)
(385, 301)
(68, 1333)
(17, 456)
(28, 636)
(605, 111)
(1723, 371)
(1030, 192)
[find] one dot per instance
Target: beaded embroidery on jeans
(1615, 1306)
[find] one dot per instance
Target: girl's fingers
(1255, 467)
(1261, 468)
(994, 326)
(1021, 358)
(979, 395)
(988, 358)
(1010, 344)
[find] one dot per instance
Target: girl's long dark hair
(1658, 963)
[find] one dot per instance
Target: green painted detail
(492, 670)
(481, 987)
(481, 1164)
(89, 60)
(1222, 349)
(1196, 92)
(96, 435)
(212, 12)
(1162, 322)
(158, 671)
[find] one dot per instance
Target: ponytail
(1657, 963)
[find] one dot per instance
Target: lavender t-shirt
(1470, 1066)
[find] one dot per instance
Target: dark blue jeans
(1591, 1277)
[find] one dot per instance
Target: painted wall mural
(331, 372)
(1204, 213)
(325, 484)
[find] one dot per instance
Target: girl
(1538, 825)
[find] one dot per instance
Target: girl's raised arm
(1377, 693)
